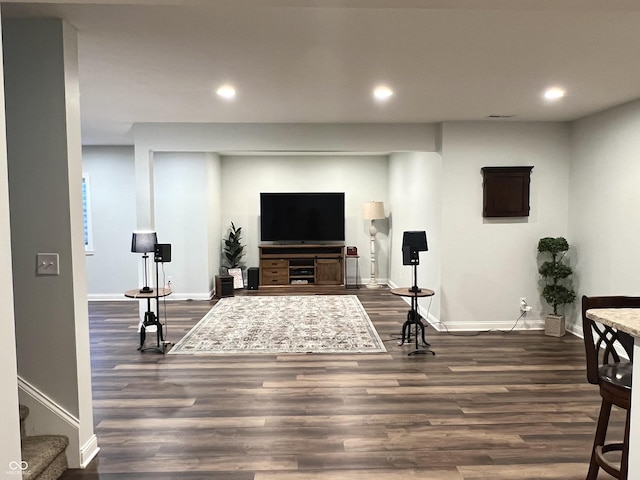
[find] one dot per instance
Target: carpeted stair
(44, 455)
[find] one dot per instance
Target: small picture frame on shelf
(236, 273)
(352, 251)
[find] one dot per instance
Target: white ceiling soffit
(317, 61)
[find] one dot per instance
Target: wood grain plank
(488, 406)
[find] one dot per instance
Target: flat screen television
(301, 217)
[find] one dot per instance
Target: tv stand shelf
(301, 264)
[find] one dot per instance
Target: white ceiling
(317, 61)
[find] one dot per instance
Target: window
(86, 212)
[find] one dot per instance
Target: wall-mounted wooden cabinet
(506, 191)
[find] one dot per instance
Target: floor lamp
(373, 211)
(144, 242)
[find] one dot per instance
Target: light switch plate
(47, 264)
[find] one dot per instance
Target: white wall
(415, 184)
(479, 267)
(112, 268)
(605, 174)
(198, 195)
(361, 177)
(487, 265)
(187, 187)
(184, 189)
(266, 140)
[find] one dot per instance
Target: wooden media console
(301, 264)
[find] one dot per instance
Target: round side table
(413, 318)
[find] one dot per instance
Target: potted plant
(233, 249)
(557, 290)
(233, 253)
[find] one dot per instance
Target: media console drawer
(271, 264)
(278, 277)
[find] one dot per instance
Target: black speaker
(412, 243)
(410, 256)
(162, 252)
(253, 278)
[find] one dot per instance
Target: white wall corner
(575, 329)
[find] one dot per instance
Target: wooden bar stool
(612, 374)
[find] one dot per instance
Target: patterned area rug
(283, 324)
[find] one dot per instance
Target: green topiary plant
(233, 249)
(557, 290)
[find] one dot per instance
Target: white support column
(145, 217)
(10, 438)
(144, 188)
(45, 164)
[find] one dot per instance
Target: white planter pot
(554, 325)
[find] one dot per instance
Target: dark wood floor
(490, 406)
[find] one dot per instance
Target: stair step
(45, 456)
(24, 412)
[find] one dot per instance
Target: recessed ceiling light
(226, 91)
(382, 93)
(554, 93)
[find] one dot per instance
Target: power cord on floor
(164, 325)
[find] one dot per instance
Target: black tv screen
(301, 217)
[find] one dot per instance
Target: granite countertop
(624, 319)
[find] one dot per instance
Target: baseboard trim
(107, 297)
(88, 451)
(487, 326)
(119, 297)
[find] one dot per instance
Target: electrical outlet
(524, 306)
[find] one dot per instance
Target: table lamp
(143, 242)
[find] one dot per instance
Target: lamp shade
(415, 241)
(373, 211)
(143, 241)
